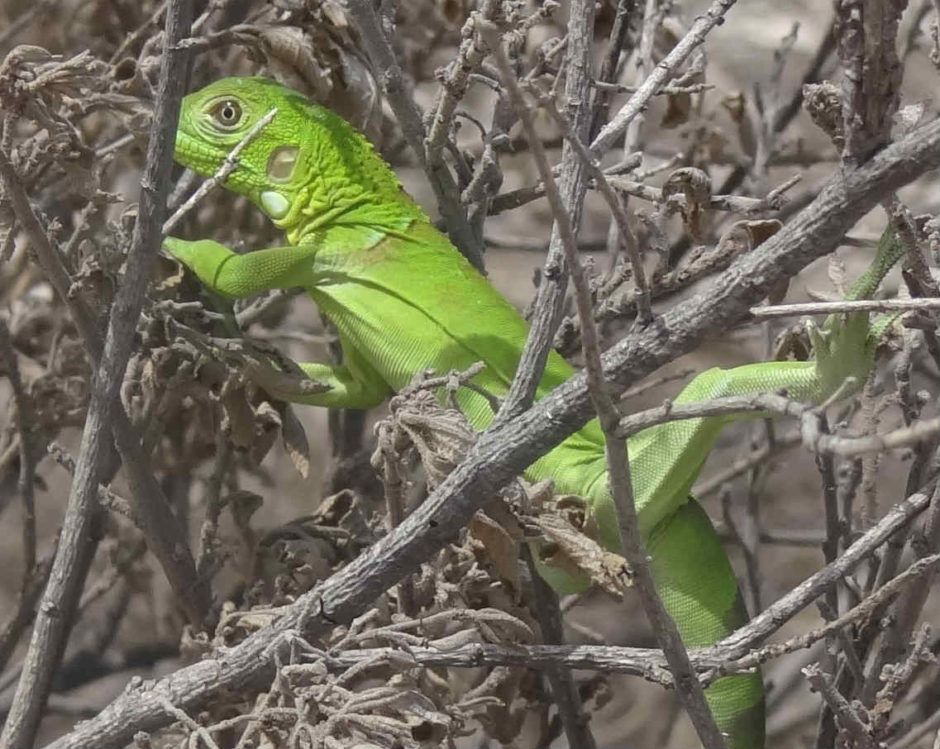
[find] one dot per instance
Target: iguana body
(404, 300)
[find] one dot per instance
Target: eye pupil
(227, 113)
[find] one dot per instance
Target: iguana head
(306, 168)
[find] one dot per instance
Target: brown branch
(550, 296)
(661, 75)
(76, 547)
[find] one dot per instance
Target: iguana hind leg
(353, 384)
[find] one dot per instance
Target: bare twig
(618, 470)
(564, 688)
(856, 305)
(228, 165)
(73, 557)
(457, 79)
(766, 403)
(773, 201)
(660, 76)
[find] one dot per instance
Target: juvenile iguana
(405, 300)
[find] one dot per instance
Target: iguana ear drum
(282, 162)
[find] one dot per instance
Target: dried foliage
(462, 644)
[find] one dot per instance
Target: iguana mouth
(197, 154)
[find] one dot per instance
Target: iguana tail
(700, 592)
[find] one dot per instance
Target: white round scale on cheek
(274, 204)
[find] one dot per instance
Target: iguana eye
(227, 113)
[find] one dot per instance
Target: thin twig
(660, 76)
(618, 470)
(76, 546)
(228, 165)
(856, 305)
(627, 237)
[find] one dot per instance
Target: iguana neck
(340, 181)
(317, 211)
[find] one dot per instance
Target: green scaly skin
(404, 300)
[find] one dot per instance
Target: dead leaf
(240, 417)
(696, 187)
(497, 546)
(267, 425)
(678, 108)
(294, 439)
(744, 236)
(573, 551)
(441, 435)
(679, 104)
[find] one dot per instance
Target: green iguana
(405, 300)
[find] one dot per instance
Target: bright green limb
(890, 250)
(700, 592)
(238, 276)
(348, 389)
(353, 384)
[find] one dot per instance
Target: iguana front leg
(353, 384)
(237, 276)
